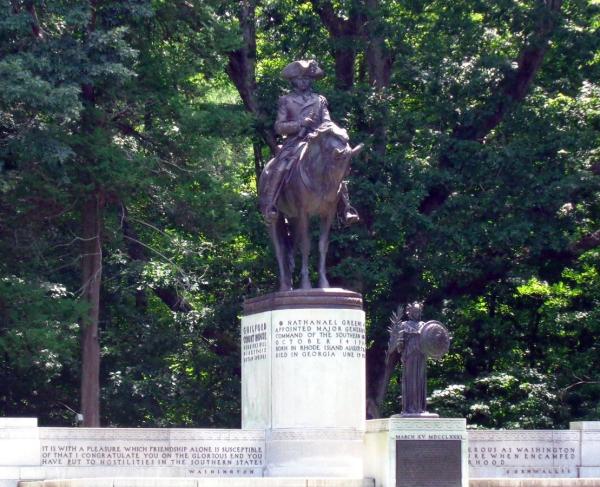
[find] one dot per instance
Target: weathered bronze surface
(305, 178)
(428, 463)
(416, 340)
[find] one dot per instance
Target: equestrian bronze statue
(306, 176)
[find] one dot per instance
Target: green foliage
(522, 399)
(117, 100)
(39, 349)
(532, 356)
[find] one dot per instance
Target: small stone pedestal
(424, 452)
(303, 380)
(590, 447)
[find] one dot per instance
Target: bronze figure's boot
(347, 212)
(269, 198)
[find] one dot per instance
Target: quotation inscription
(319, 338)
(512, 459)
(198, 459)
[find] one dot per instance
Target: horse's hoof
(306, 285)
(323, 283)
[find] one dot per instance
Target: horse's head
(327, 158)
(347, 152)
(334, 141)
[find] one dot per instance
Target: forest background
(131, 137)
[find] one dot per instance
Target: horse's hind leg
(280, 238)
(326, 221)
(301, 234)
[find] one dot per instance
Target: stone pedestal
(303, 380)
(20, 454)
(200, 482)
(590, 447)
(424, 452)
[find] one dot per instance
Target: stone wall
(534, 483)
(573, 453)
(28, 452)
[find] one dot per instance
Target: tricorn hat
(306, 69)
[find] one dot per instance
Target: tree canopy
(132, 134)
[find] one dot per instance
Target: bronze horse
(310, 188)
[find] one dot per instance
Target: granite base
(203, 482)
(303, 380)
(424, 452)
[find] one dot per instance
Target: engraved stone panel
(303, 381)
(285, 353)
(323, 347)
(256, 370)
(125, 451)
(428, 463)
(524, 453)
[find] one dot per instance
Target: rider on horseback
(299, 115)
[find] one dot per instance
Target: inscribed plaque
(428, 463)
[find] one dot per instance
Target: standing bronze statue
(306, 176)
(415, 340)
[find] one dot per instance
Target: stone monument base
(317, 452)
(202, 482)
(303, 381)
(179, 457)
(534, 482)
(416, 415)
(423, 452)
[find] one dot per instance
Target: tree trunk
(91, 277)
(343, 34)
(379, 63)
(241, 69)
(344, 66)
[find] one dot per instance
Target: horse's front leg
(278, 231)
(326, 222)
(304, 238)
